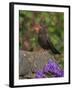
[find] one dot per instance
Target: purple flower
(39, 74)
(53, 68)
(61, 73)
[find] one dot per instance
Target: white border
(17, 81)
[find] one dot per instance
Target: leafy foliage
(54, 22)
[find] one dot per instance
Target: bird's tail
(53, 49)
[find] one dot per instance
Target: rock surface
(24, 64)
(30, 62)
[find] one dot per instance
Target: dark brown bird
(44, 40)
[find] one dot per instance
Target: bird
(44, 39)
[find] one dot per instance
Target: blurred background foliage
(54, 22)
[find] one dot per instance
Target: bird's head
(37, 28)
(40, 28)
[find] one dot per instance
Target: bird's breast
(43, 42)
